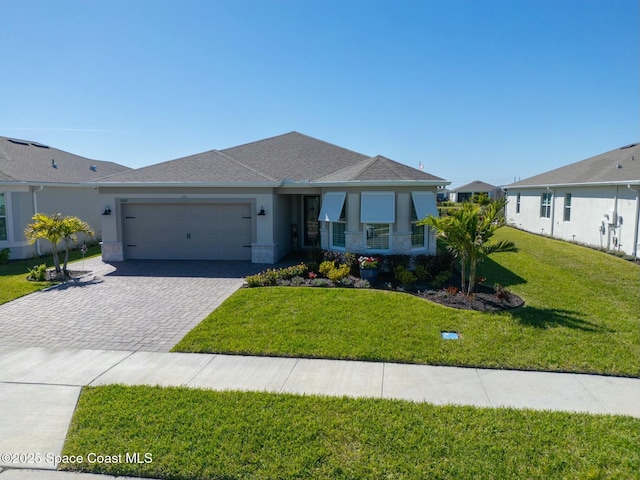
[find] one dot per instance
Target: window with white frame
(423, 204)
(333, 210)
(567, 207)
(377, 213)
(518, 203)
(3, 218)
(545, 205)
(338, 229)
(378, 236)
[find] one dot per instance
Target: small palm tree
(71, 226)
(467, 232)
(55, 228)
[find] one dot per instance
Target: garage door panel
(194, 232)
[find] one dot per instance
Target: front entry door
(310, 211)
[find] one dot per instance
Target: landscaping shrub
(38, 273)
(337, 274)
(404, 276)
(326, 267)
(270, 277)
(389, 263)
(422, 273)
(441, 279)
(4, 255)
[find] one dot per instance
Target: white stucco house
(261, 200)
(38, 178)
(593, 201)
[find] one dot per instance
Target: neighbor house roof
(25, 161)
(286, 159)
(476, 186)
(621, 166)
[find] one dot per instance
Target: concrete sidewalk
(39, 388)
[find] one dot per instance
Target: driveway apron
(134, 305)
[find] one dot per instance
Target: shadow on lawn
(554, 317)
(496, 273)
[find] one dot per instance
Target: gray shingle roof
(292, 156)
(212, 166)
(28, 161)
(476, 186)
(378, 168)
(616, 166)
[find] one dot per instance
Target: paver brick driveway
(134, 305)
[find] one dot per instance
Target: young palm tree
(56, 229)
(467, 232)
(71, 226)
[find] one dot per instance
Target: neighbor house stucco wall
(591, 214)
(23, 201)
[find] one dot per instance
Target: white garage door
(187, 232)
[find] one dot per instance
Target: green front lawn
(581, 315)
(13, 275)
(195, 434)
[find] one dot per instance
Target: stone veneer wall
(263, 253)
(112, 251)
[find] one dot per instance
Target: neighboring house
(37, 178)
(466, 192)
(261, 200)
(594, 201)
(443, 194)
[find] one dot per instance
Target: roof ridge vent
(18, 142)
(628, 146)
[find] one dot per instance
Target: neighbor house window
(518, 203)
(545, 205)
(567, 207)
(423, 204)
(377, 236)
(334, 211)
(3, 218)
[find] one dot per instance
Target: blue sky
(482, 89)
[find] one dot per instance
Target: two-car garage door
(187, 231)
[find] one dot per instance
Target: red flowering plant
(312, 275)
(368, 263)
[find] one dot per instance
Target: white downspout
(35, 210)
(636, 220)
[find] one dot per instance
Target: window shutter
(378, 207)
(332, 207)
(425, 204)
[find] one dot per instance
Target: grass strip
(13, 275)
(198, 434)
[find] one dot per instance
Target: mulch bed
(480, 301)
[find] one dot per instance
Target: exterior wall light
(261, 213)
(107, 210)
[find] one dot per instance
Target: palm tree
(71, 226)
(56, 229)
(467, 232)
